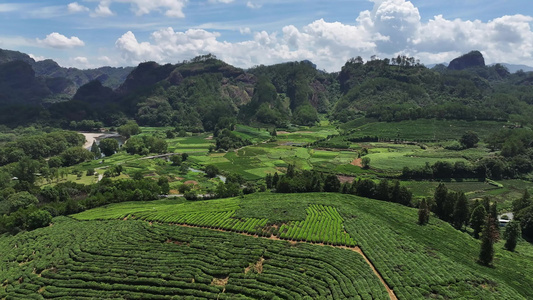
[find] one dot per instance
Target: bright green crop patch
(323, 223)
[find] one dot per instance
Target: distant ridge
(514, 68)
(109, 76)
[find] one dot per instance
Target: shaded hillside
(109, 76)
(18, 84)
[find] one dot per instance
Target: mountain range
(204, 92)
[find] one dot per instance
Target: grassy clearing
(392, 157)
(426, 130)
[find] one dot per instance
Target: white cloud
(56, 40)
(36, 58)
(221, 1)
(245, 31)
(103, 10)
(392, 27)
(327, 44)
(253, 5)
(105, 60)
(171, 8)
(81, 60)
(10, 7)
(75, 7)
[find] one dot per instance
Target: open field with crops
(415, 261)
(313, 148)
(426, 129)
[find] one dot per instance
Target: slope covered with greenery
(415, 261)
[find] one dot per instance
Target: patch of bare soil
(220, 281)
(358, 162)
(193, 182)
(282, 132)
(169, 241)
(209, 137)
(345, 179)
(257, 267)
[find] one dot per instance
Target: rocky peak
(469, 60)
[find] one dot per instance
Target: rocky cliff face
(470, 60)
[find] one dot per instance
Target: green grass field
(426, 130)
(417, 262)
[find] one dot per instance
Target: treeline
(492, 167)
(39, 146)
(311, 181)
(29, 210)
(451, 207)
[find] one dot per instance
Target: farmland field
(415, 261)
(135, 260)
(426, 129)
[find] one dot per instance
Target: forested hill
(204, 93)
(47, 80)
(197, 95)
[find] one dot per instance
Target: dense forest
(195, 95)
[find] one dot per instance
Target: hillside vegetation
(199, 94)
(116, 258)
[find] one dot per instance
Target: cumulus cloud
(392, 27)
(75, 7)
(171, 8)
(328, 44)
(59, 41)
(105, 60)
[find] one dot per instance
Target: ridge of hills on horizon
(199, 93)
(513, 68)
(54, 80)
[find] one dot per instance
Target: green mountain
(401, 89)
(196, 95)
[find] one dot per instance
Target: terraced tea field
(136, 260)
(417, 262)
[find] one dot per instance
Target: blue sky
(92, 33)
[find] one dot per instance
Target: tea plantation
(266, 246)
